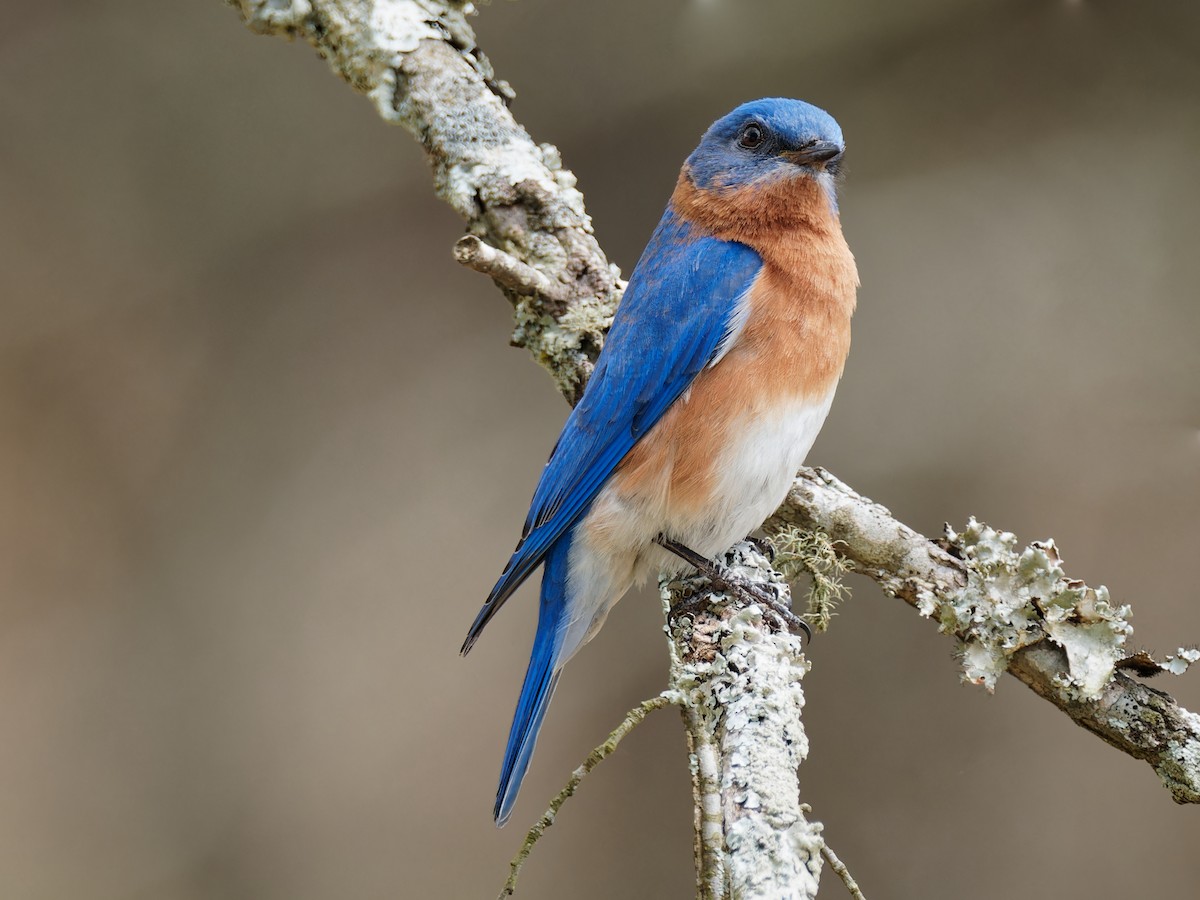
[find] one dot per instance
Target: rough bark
(738, 676)
(418, 63)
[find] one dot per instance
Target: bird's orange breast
(790, 352)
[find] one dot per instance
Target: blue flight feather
(541, 678)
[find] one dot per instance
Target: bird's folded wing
(677, 308)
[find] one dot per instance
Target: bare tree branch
(527, 229)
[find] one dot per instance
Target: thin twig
(632, 719)
(842, 872)
(506, 270)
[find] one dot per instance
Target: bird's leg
(748, 591)
(702, 565)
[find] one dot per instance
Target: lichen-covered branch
(1017, 612)
(418, 63)
(740, 682)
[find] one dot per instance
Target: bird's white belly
(614, 547)
(753, 475)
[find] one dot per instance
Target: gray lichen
(567, 346)
(1015, 598)
(1178, 662)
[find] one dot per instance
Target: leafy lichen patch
(1178, 662)
(1014, 598)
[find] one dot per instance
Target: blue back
(676, 309)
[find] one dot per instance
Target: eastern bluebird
(715, 378)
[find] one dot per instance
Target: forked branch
(1010, 610)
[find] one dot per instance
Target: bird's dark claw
(748, 591)
(763, 545)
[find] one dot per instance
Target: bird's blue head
(765, 139)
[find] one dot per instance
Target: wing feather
(678, 309)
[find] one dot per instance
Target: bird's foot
(760, 593)
(763, 545)
(747, 591)
(692, 606)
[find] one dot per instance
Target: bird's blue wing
(678, 306)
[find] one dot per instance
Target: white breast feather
(754, 473)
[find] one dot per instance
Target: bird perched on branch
(714, 380)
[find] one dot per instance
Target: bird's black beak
(815, 153)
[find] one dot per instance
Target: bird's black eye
(752, 136)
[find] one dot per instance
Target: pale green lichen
(1179, 769)
(1178, 662)
(1013, 599)
(565, 346)
(799, 552)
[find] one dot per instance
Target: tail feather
(522, 741)
(541, 678)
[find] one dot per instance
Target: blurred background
(264, 447)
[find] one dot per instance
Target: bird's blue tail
(540, 679)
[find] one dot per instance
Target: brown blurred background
(264, 447)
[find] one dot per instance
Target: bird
(714, 379)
